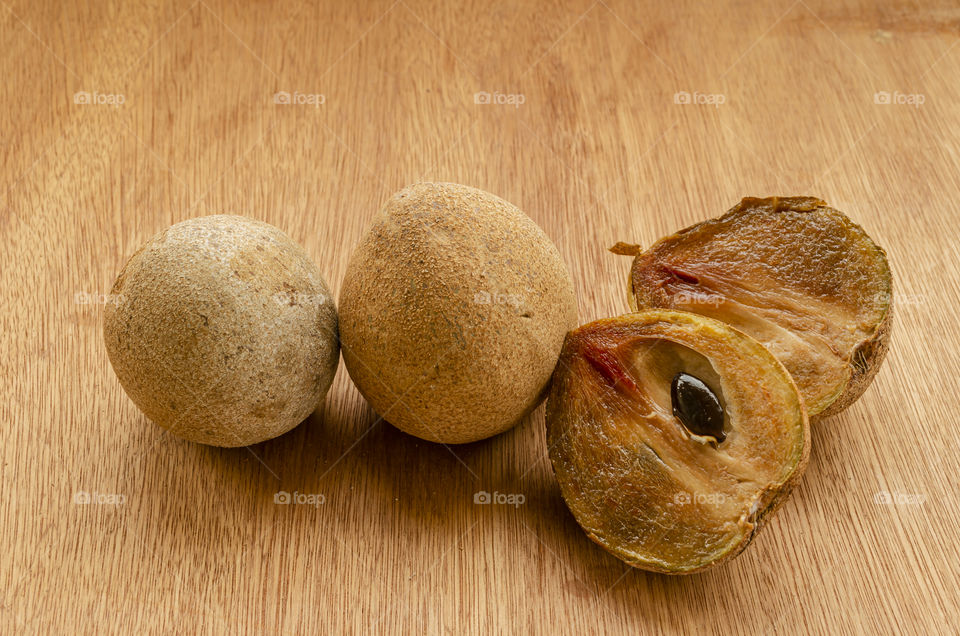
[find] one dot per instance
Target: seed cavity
(697, 407)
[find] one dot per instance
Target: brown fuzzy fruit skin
(797, 256)
(635, 479)
(453, 311)
(224, 331)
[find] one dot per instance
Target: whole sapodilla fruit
(453, 312)
(223, 331)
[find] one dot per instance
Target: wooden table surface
(121, 118)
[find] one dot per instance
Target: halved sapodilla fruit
(795, 274)
(673, 437)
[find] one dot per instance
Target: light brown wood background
(598, 152)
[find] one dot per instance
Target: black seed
(696, 406)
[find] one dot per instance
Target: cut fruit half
(795, 274)
(645, 465)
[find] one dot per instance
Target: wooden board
(121, 118)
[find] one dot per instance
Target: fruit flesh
(793, 273)
(636, 479)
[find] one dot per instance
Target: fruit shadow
(601, 579)
(352, 460)
(222, 501)
(611, 587)
(411, 492)
(286, 463)
(405, 490)
(729, 586)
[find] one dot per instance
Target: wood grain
(597, 152)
